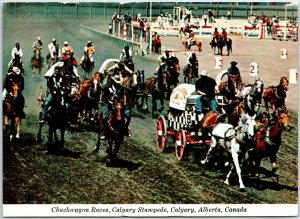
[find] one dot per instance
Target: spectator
(110, 29)
(204, 17)
(228, 14)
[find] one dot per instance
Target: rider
(112, 92)
(216, 33)
(89, 49)
(38, 44)
(66, 49)
(190, 39)
(206, 88)
(14, 76)
(53, 49)
(55, 84)
(17, 50)
(192, 63)
(126, 56)
(224, 34)
(121, 69)
(233, 71)
(164, 61)
(67, 59)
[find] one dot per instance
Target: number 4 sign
(253, 69)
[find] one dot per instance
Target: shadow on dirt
(120, 163)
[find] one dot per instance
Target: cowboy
(55, 84)
(14, 76)
(216, 33)
(224, 34)
(204, 17)
(53, 50)
(17, 51)
(206, 88)
(114, 91)
(233, 71)
(70, 67)
(190, 39)
(122, 70)
(104, 67)
(164, 61)
(89, 50)
(126, 55)
(66, 49)
(38, 44)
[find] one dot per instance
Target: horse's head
(247, 125)
(283, 119)
(16, 88)
(284, 82)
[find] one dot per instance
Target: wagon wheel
(180, 145)
(161, 133)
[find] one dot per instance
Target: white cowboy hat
(39, 38)
(89, 42)
(53, 39)
(116, 78)
(16, 70)
(204, 73)
(66, 42)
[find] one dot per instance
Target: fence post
(90, 12)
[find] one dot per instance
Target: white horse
(228, 137)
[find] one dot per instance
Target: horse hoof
(17, 136)
(10, 137)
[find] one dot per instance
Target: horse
(115, 130)
(228, 138)
(268, 140)
(16, 62)
(229, 89)
(86, 65)
(75, 104)
(190, 73)
(187, 29)
(169, 78)
(217, 42)
(53, 60)
(228, 44)
(12, 112)
(56, 118)
(130, 91)
(195, 42)
(141, 93)
(36, 63)
(90, 91)
(275, 95)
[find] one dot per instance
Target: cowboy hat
(16, 70)
(116, 78)
(89, 42)
(204, 73)
(66, 43)
(233, 63)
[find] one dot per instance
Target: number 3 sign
(253, 69)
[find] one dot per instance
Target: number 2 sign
(253, 69)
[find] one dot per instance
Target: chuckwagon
(182, 125)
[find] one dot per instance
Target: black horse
(87, 65)
(56, 118)
(217, 43)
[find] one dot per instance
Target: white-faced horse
(229, 137)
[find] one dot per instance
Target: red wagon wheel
(161, 133)
(180, 145)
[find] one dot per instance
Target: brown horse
(229, 88)
(86, 65)
(36, 64)
(276, 95)
(268, 139)
(115, 132)
(90, 91)
(130, 91)
(195, 42)
(190, 73)
(11, 111)
(228, 44)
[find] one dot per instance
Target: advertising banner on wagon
(179, 96)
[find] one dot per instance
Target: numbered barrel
(253, 69)
(218, 62)
(284, 53)
(293, 76)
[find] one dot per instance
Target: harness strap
(276, 93)
(267, 139)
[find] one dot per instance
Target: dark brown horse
(190, 73)
(268, 139)
(115, 132)
(12, 112)
(217, 43)
(275, 95)
(228, 43)
(56, 118)
(86, 65)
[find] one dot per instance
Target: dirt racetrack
(143, 175)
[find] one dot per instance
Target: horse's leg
(211, 148)
(266, 103)
(154, 105)
(18, 122)
(12, 129)
(62, 138)
(39, 136)
(5, 122)
(50, 142)
(97, 147)
(145, 101)
(162, 102)
(235, 156)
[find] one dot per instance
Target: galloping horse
(187, 29)
(90, 95)
(86, 65)
(276, 95)
(56, 118)
(228, 137)
(12, 112)
(115, 130)
(268, 140)
(36, 63)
